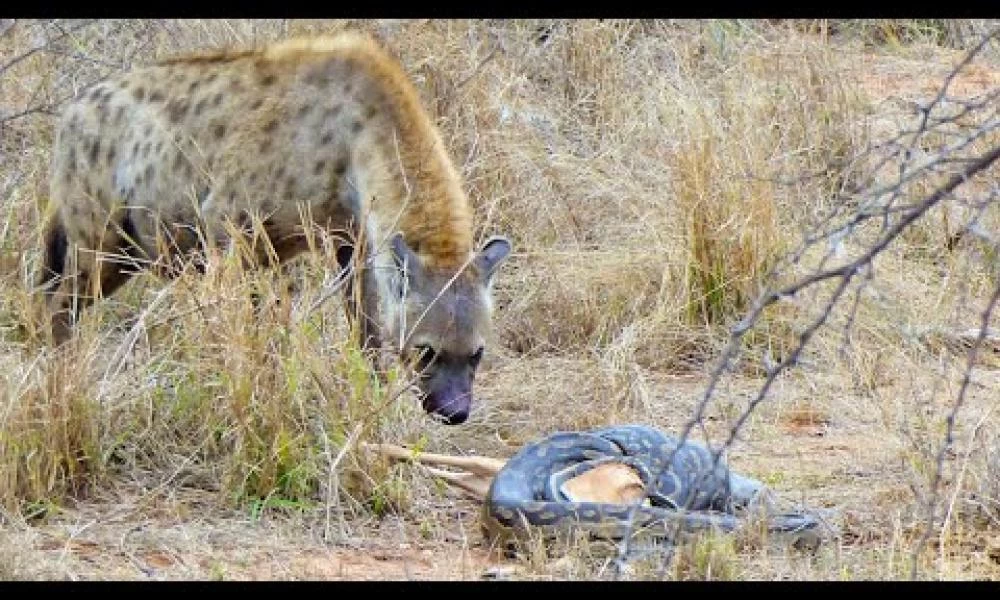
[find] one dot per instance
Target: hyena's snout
(448, 395)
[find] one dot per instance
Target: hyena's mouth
(453, 412)
(452, 419)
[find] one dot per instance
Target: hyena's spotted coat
(151, 165)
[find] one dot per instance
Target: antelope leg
(483, 466)
(476, 485)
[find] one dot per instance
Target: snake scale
(692, 493)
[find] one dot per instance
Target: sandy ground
(838, 460)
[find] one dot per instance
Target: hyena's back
(225, 134)
(161, 158)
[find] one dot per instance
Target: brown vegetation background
(649, 174)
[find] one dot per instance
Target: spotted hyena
(155, 164)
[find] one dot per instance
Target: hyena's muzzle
(446, 389)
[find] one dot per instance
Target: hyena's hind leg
(70, 280)
(58, 301)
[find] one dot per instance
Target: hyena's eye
(425, 355)
(476, 357)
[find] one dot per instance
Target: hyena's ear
(407, 262)
(494, 252)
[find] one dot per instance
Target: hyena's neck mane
(402, 168)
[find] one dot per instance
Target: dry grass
(649, 174)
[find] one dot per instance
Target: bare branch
(41, 47)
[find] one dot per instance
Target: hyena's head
(446, 322)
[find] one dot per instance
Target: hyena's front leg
(361, 292)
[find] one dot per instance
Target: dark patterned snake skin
(688, 495)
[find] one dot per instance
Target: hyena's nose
(455, 418)
(449, 413)
(449, 400)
